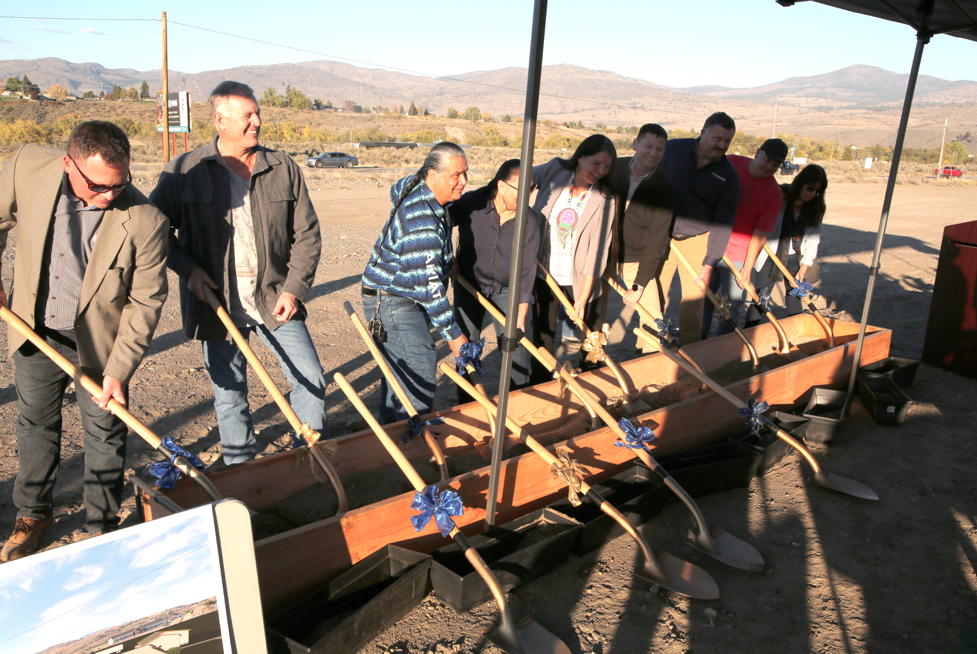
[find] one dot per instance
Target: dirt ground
(842, 575)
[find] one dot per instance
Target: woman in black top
(484, 219)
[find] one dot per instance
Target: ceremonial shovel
(722, 308)
(526, 637)
(806, 298)
(821, 477)
(787, 349)
(644, 313)
(672, 573)
(720, 545)
(93, 387)
(308, 435)
(432, 443)
(594, 342)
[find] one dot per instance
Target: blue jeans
(40, 385)
(471, 317)
(227, 368)
(409, 351)
(724, 281)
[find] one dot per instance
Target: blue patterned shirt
(412, 257)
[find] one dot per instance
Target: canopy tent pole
(510, 340)
(922, 38)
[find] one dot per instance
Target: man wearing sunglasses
(89, 278)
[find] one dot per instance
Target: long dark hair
(812, 212)
(593, 144)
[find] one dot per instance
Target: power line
(130, 20)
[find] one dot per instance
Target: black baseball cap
(775, 149)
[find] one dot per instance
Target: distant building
(162, 641)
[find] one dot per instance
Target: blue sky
(664, 41)
(63, 594)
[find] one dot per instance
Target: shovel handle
(525, 342)
(415, 479)
(93, 387)
(283, 405)
(650, 319)
(432, 443)
(732, 399)
(568, 306)
(789, 279)
(704, 287)
(744, 279)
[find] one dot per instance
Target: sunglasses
(102, 188)
(514, 188)
(811, 189)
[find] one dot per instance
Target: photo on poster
(150, 588)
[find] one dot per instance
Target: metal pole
(511, 341)
(166, 99)
(922, 38)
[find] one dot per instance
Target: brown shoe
(24, 539)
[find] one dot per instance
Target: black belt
(369, 291)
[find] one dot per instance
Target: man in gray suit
(90, 278)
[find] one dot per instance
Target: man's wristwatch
(635, 287)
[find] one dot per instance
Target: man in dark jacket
(242, 224)
(644, 200)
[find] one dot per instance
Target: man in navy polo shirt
(707, 191)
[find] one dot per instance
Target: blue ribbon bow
(414, 425)
(664, 327)
(802, 288)
(637, 437)
(754, 411)
(442, 506)
(470, 353)
(764, 300)
(166, 472)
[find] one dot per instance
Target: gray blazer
(593, 235)
(124, 287)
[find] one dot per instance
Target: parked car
(949, 171)
(789, 168)
(336, 159)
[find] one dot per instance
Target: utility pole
(166, 100)
(939, 166)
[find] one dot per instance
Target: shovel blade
(731, 550)
(527, 638)
(679, 577)
(844, 485)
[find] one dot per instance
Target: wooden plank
(294, 563)
(270, 479)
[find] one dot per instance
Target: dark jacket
(644, 227)
(195, 194)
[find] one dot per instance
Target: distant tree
(348, 105)
(472, 114)
(452, 113)
(954, 153)
(486, 117)
(144, 90)
(57, 92)
(101, 94)
(357, 109)
(270, 98)
(28, 87)
(329, 104)
(413, 110)
(65, 124)
(507, 118)
(132, 93)
(88, 95)
(400, 110)
(13, 84)
(117, 92)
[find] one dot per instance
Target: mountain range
(856, 102)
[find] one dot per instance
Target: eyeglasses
(811, 189)
(102, 188)
(514, 188)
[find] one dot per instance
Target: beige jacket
(593, 234)
(124, 287)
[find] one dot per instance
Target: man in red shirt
(756, 214)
